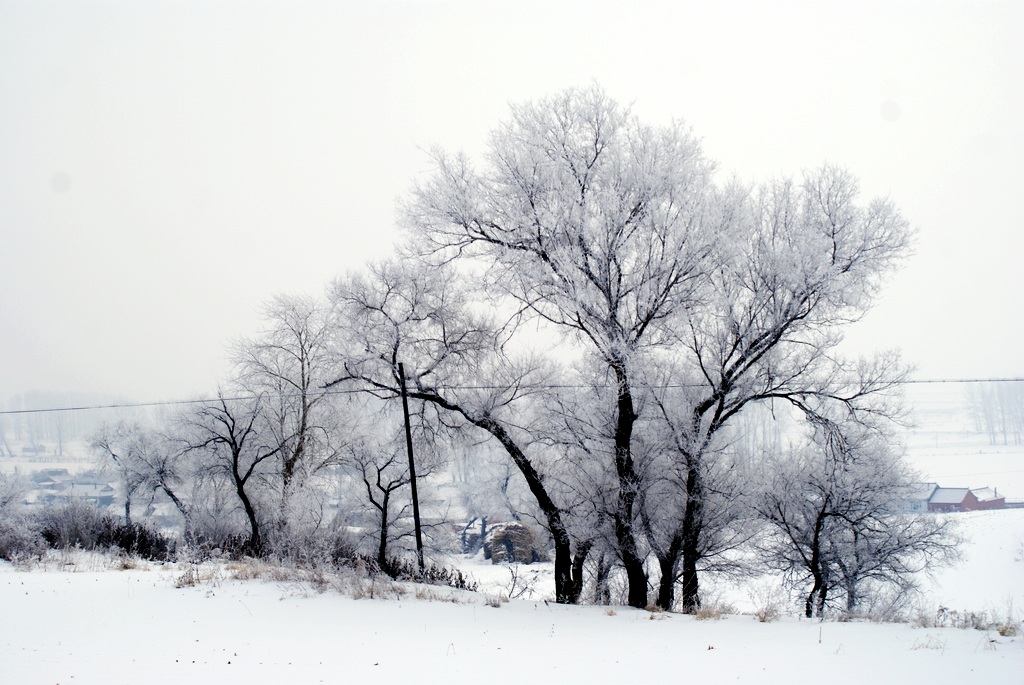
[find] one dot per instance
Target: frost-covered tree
(614, 233)
(458, 373)
(148, 462)
(595, 223)
(288, 365)
(835, 521)
(232, 444)
(803, 260)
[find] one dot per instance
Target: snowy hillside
(73, 620)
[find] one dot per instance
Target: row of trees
(590, 301)
(997, 409)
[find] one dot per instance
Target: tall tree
(595, 223)
(147, 461)
(229, 434)
(459, 370)
(806, 260)
(288, 365)
(835, 520)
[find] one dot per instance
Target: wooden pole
(412, 473)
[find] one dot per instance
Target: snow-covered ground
(84, 623)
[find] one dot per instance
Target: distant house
(952, 499)
(99, 494)
(989, 498)
(51, 475)
(919, 496)
(965, 499)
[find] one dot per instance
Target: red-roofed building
(989, 498)
(952, 499)
(965, 499)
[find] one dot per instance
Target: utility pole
(412, 473)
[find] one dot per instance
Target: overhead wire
(537, 386)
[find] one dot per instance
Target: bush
(232, 546)
(79, 524)
(20, 540)
(408, 570)
(74, 524)
(315, 550)
(138, 540)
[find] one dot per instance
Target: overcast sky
(166, 167)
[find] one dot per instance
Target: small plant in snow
(929, 642)
(519, 584)
(714, 607)
(495, 600)
(768, 599)
(1007, 630)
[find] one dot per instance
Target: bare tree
(288, 365)
(596, 224)
(804, 260)
(681, 490)
(12, 488)
(228, 433)
(613, 232)
(378, 460)
(998, 409)
(835, 522)
(458, 370)
(147, 461)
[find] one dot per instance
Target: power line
(162, 403)
(926, 381)
(539, 386)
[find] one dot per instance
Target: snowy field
(944, 445)
(76, 620)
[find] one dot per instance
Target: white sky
(167, 167)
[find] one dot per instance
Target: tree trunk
(819, 603)
(625, 469)
(602, 593)
(693, 524)
(816, 598)
(564, 583)
(577, 571)
(667, 584)
(382, 542)
(565, 591)
(288, 466)
(254, 546)
(182, 509)
(668, 563)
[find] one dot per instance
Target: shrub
(406, 569)
(768, 600)
(315, 550)
(20, 540)
(79, 524)
(137, 539)
(73, 524)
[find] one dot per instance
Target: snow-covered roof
(921, 491)
(949, 495)
(986, 494)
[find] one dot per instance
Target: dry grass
(929, 642)
(495, 600)
(768, 599)
(713, 607)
